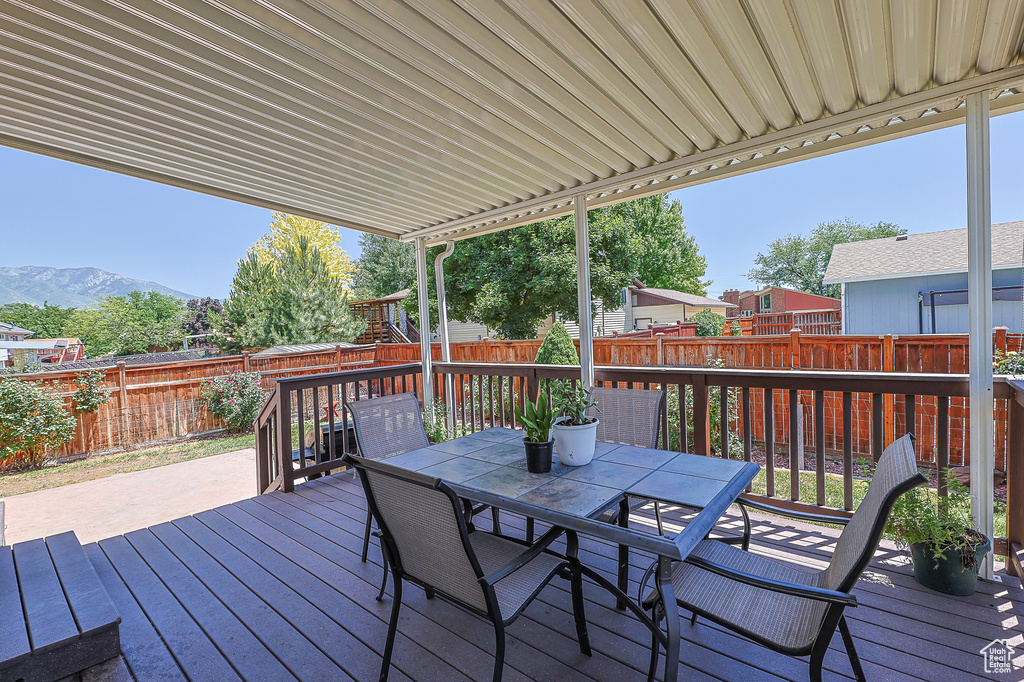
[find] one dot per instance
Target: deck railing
(481, 395)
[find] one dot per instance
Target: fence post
(794, 347)
(1000, 340)
(245, 361)
(122, 402)
(889, 399)
(337, 356)
(661, 349)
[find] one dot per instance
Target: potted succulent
(537, 418)
(575, 431)
(945, 547)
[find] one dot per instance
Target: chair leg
(499, 651)
(817, 661)
(383, 582)
(578, 608)
(366, 535)
(429, 591)
(851, 650)
(389, 644)
(529, 529)
(623, 577)
(746, 528)
(657, 518)
(693, 618)
(496, 520)
(655, 644)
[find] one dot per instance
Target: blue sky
(65, 215)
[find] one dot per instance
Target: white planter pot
(575, 444)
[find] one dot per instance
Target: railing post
(888, 399)
(284, 434)
(1015, 487)
(794, 347)
(701, 416)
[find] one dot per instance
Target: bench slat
(86, 595)
(14, 644)
(50, 623)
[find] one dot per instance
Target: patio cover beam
(423, 299)
(583, 298)
(979, 285)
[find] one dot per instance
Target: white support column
(442, 331)
(979, 295)
(423, 299)
(583, 292)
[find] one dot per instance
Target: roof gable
(928, 253)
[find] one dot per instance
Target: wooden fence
(152, 403)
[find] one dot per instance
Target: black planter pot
(948, 575)
(538, 456)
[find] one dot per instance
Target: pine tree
(557, 348)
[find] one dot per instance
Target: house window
(766, 303)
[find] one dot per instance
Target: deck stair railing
(820, 411)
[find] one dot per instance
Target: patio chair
(388, 426)
(629, 417)
(787, 610)
(429, 541)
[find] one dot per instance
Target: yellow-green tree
(285, 231)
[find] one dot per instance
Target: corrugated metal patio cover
(444, 119)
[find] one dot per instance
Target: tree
(800, 262)
(385, 266)
(33, 422)
(511, 281)
(48, 322)
(666, 256)
(125, 325)
(291, 300)
(285, 232)
(198, 316)
(557, 348)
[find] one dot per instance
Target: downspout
(442, 331)
(424, 308)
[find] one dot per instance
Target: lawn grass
(834, 492)
(102, 466)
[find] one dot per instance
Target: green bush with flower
(235, 398)
(1010, 362)
(33, 423)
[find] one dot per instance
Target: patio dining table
(490, 467)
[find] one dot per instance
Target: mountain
(70, 287)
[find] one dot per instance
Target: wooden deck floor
(272, 588)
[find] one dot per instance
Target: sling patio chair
(429, 541)
(784, 609)
(388, 426)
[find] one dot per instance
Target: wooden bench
(56, 618)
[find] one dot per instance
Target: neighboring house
(777, 300)
(605, 322)
(651, 306)
(12, 332)
(914, 284)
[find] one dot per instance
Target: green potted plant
(945, 547)
(575, 431)
(537, 418)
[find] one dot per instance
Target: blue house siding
(890, 306)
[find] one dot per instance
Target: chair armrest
(793, 589)
(531, 553)
(792, 513)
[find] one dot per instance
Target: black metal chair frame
(570, 569)
(837, 600)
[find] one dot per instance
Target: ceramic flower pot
(538, 456)
(575, 444)
(949, 574)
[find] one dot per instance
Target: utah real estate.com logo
(998, 656)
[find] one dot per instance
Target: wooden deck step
(56, 618)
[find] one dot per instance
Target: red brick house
(777, 300)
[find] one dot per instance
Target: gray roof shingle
(920, 254)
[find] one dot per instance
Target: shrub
(1008, 363)
(33, 422)
(236, 398)
(558, 348)
(91, 393)
(709, 323)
